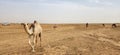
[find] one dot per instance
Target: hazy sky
(60, 11)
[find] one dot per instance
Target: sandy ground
(64, 40)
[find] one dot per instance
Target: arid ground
(65, 39)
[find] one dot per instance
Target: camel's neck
(29, 31)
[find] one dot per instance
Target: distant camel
(103, 25)
(34, 31)
(55, 26)
(114, 25)
(86, 25)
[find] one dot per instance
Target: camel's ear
(27, 23)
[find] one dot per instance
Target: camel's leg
(40, 38)
(33, 47)
(33, 50)
(31, 43)
(36, 39)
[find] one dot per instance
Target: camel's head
(24, 24)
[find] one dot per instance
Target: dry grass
(66, 39)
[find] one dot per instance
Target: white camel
(33, 31)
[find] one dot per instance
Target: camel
(114, 25)
(55, 26)
(103, 25)
(86, 25)
(33, 31)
